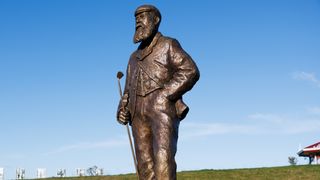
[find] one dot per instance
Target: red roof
(311, 150)
(316, 145)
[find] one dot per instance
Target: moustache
(139, 25)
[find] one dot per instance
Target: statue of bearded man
(159, 73)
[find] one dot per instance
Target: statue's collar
(142, 53)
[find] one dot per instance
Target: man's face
(145, 26)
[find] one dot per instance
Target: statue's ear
(157, 20)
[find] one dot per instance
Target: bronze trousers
(155, 130)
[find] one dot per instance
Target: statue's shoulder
(134, 54)
(167, 41)
(132, 58)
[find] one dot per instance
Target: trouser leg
(165, 137)
(155, 130)
(142, 134)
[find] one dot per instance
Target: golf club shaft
(120, 90)
(129, 135)
(132, 150)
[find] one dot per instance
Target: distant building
(41, 173)
(1, 174)
(81, 172)
(99, 172)
(312, 152)
(20, 173)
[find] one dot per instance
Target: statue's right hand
(123, 113)
(123, 116)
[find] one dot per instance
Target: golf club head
(119, 75)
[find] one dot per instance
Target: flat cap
(147, 8)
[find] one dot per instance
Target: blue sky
(257, 99)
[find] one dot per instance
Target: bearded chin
(142, 34)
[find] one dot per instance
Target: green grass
(308, 172)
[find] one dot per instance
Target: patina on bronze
(159, 73)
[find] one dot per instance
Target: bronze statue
(159, 72)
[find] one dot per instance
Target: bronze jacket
(163, 65)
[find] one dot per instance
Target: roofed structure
(312, 152)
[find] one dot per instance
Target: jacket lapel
(142, 53)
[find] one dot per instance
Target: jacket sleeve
(128, 74)
(185, 72)
(126, 93)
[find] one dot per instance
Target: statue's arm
(127, 84)
(123, 113)
(185, 72)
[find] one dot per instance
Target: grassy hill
(309, 172)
